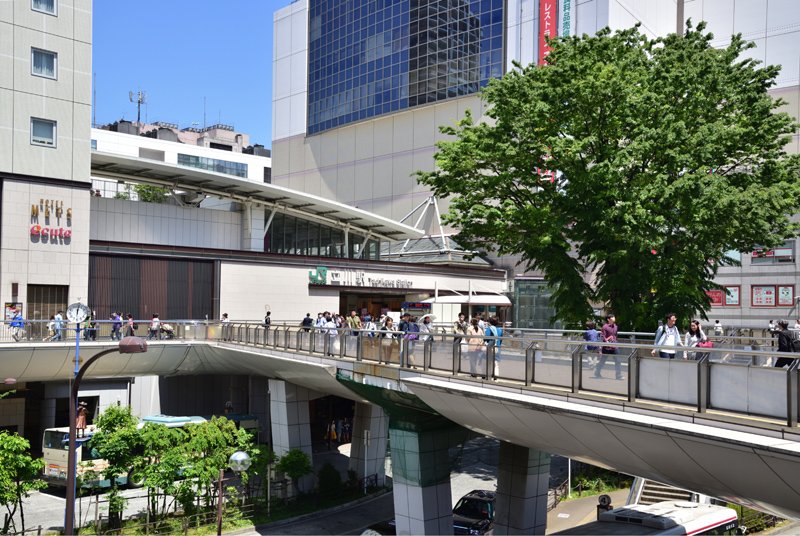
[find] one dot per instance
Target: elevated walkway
(725, 430)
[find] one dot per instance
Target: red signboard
(548, 26)
(717, 297)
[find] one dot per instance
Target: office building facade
(45, 118)
(360, 89)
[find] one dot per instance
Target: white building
(45, 117)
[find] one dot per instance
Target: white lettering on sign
(355, 278)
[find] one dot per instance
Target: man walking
(667, 336)
(59, 324)
(609, 335)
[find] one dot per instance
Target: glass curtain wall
(372, 57)
(289, 235)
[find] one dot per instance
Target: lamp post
(238, 462)
(128, 345)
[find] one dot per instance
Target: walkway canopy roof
(473, 299)
(300, 204)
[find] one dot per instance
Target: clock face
(77, 312)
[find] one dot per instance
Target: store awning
(475, 299)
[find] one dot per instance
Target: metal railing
(736, 377)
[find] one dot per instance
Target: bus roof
(173, 421)
(668, 517)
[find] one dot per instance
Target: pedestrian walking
(154, 331)
(609, 335)
(116, 326)
(475, 349)
(131, 326)
(667, 337)
(17, 326)
(694, 336)
(59, 325)
(592, 335)
(785, 343)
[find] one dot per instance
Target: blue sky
(180, 52)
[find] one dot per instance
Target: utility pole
(680, 21)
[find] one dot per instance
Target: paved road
(47, 508)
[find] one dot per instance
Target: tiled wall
(119, 220)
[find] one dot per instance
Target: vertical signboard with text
(548, 26)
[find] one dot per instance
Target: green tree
(119, 442)
(163, 458)
(668, 154)
(295, 464)
(19, 476)
(151, 194)
(208, 448)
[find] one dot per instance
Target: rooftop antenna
(140, 98)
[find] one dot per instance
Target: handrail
(547, 360)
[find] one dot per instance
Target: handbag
(705, 344)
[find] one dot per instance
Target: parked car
(380, 529)
(474, 513)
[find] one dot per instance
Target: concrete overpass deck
(723, 429)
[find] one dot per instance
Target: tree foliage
(668, 154)
(118, 442)
(151, 194)
(19, 476)
(295, 464)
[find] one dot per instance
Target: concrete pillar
(523, 478)
(252, 227)
(421, 481)
(291, 425)
(372, 419)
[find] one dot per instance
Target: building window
(783, 254)
(212, 164)
(44, 63)
(368, 58)
(267, 175)
(43, 132)
(45, 6)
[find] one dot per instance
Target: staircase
(654, 492)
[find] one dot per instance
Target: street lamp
(238, 462)
(128, 345)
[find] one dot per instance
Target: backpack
(794, 339)
(492, 331)
(413, 329)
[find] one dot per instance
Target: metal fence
(736, 376)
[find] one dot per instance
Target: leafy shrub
(330, 481)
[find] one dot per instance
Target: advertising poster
(12, 308)
(732, 296)
(786, 295)
(763, 295)
(716, 297)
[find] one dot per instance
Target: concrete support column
(421, 474)
(523, 478)
(372, 419)
(291, 425)
(252, 227)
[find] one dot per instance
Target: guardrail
(736, 377)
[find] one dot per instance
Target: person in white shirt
(668, 336)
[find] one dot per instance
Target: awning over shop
(474, 299)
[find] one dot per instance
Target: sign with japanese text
(763, 295)
(548, 26)
(717, 297)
